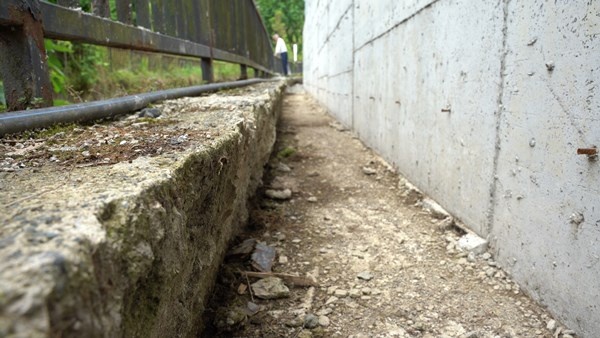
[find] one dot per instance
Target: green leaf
(2, 98)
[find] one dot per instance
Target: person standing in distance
(281, 51)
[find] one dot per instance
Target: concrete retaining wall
(132, 249)
(457, 95)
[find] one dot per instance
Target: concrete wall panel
(504, 158)
(421, 67)
(547, 214)
(375, 18)
(330, 76)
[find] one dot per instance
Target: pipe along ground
(17, 121)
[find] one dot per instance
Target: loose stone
(270, 288)
(341, 293)
(285, 194)
(296, 322)
(331, 300)
(365, 275)
(283, 167)
(324, 321)
(311, 321)
(325, 311)
(369, 171)
(354, 293)
(305, 334)
(472, 243)
(150, 112)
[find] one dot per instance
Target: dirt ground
(384, 266)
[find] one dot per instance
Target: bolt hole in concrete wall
(482, 105)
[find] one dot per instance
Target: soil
(352, 215)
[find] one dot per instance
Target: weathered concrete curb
(132, 250)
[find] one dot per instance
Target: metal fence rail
(225, 30)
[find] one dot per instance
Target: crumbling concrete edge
(151, 269)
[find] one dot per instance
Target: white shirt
(280, 47)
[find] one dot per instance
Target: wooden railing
(225, 30)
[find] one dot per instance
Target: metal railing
(225, 30)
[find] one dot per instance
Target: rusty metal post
(101, 8)
(207, 70)
(243, 72)
(124, 11)
(142, 13)
(23, 67)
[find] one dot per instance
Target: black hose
(14, 122)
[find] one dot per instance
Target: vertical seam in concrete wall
(500, 107)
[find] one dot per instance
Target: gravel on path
(385, 265)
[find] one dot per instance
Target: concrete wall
(503, 159)
(132, 249)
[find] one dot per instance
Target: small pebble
(324, 321)
(365, 275)
(354, 293)
(311, 321)
(325, 311)
(369, 171)
(340, 293)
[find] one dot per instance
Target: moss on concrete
(133, 249)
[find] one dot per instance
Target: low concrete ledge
(132, 249)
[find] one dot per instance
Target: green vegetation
(48, 132)
(286, 152)
(285, 18)
(2, 99)
(225, 71)
(81, 72)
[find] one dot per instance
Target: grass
(286, 152)
(47, 132)
(128, 73)
(2, 98)
(122, 72)
(225, 71)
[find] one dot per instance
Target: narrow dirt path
(384, 266)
